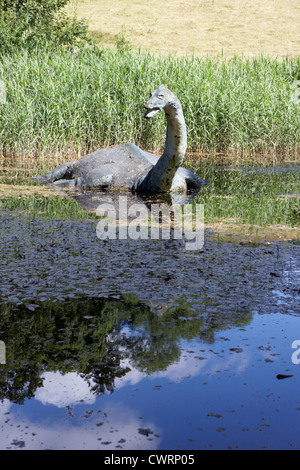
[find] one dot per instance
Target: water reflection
(97, 338)
(90, 200)
(191, 356)
(211, 395)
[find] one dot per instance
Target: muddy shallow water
(142, 344)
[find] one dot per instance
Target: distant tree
(29, 23)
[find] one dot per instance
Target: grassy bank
(241, 205)
(62, 102)
(199, 27)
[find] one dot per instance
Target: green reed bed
(62, 102)
(48, 207)
(243, 196)
(251, 197)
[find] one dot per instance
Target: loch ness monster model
(128, 167)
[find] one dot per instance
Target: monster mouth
(151, 112)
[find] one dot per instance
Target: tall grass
(242, 197)
(74, 102)
(250, 196)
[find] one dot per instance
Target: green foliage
(250, 196)
(87, 336)
(61, 101)
(53, 207)
(28, 23)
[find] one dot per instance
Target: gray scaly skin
(128, 167)
(160, 177)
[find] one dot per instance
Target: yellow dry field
(199, 27)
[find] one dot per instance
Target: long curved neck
(160, 177)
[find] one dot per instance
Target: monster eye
(161, 97)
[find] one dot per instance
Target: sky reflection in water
(191, 355)
(219, 395)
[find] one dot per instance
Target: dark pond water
(142, 344)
